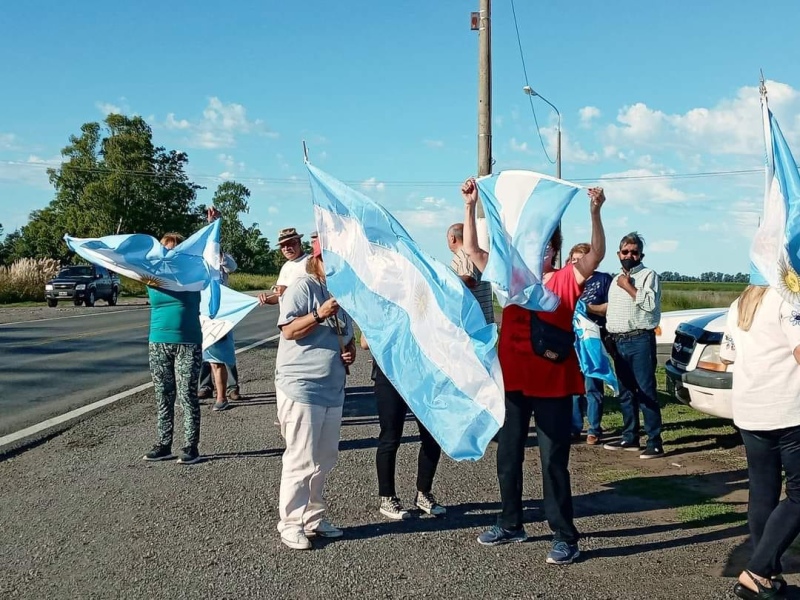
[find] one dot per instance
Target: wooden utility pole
(484, 92)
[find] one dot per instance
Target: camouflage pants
(175, 369)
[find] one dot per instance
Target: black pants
(392, 411)
(773, 524)
(553, 417)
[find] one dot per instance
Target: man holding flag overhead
(536, 350)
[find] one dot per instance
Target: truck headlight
(48, 287)
(709, 359)
(80, 286)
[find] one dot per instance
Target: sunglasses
(631, 252)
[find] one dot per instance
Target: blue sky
(385, 95)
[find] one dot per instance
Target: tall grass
(241, 282)
(24, 280)
(699, 298)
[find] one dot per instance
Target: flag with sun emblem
(523, 209)
(425, 329)
(775, 251)
(190, 266)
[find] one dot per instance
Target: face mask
(629, 263)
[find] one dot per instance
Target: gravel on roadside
(82, 516)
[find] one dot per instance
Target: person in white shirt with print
(293, 269)
(762, 340)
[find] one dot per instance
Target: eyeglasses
(631, 252)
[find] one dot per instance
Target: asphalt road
(78, 355)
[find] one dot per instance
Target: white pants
(311, 434)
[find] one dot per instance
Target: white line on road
(97, 314)
(74, 414)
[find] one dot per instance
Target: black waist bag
(549, 341)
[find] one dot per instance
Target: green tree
(113, 180)
(246, 244)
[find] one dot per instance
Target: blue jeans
(635, 365)
(589, 405)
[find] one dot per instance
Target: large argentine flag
(190, 266)
(775, 251)
(522, 211)
(233, 307)
(425, 329)
(592, 355)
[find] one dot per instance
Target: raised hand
(469, 191)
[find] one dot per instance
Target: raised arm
(591, 260)
(478, 256)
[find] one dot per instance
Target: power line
(527, 83)
(399, 183)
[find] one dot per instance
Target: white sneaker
(295, 539)
(392, 508)
(324, 529)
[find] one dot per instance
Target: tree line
(114, 180)
(708, 276)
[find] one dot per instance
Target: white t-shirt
(292, 270)
(766, 377)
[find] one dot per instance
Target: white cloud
(571, 151)
(107, 108)
(273, 210)
(219, 125)
(32, 171)
(731, 127)
(226, 175)
(587, 114)
(518, 146)
(7, 141)
(637, 187)
(432, 201)
(373, 184)
(662, 246)
(434, 143)
(227, 160)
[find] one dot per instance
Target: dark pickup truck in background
(83, 284)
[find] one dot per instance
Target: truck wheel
(112, 301)
(89, 298)
(52, 303)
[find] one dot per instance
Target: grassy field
(684, 295)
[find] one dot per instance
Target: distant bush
(24, 279)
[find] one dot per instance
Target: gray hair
(456, 230)
(634, 237)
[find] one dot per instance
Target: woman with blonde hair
(315, 348)
(762, 339)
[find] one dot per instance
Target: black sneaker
(654, 452)
(189, 455)
(159, 452)
(623, 445)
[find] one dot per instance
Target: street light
(528, 90)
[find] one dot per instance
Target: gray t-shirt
(311, 370)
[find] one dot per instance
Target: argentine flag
(775, 251)
(522, 212)
(233, 307)
(424, 327)
(592, 355)
(190, 266)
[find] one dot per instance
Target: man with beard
(634, 310)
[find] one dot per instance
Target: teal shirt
(174, 317)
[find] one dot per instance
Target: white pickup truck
(695, 374)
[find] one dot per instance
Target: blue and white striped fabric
(233, 307)
(592, 355)
(775, 251)
(191, 266)
(522, 212)
(425, 329)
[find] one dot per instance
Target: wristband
(316, 316)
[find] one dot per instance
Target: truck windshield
(81, 271)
